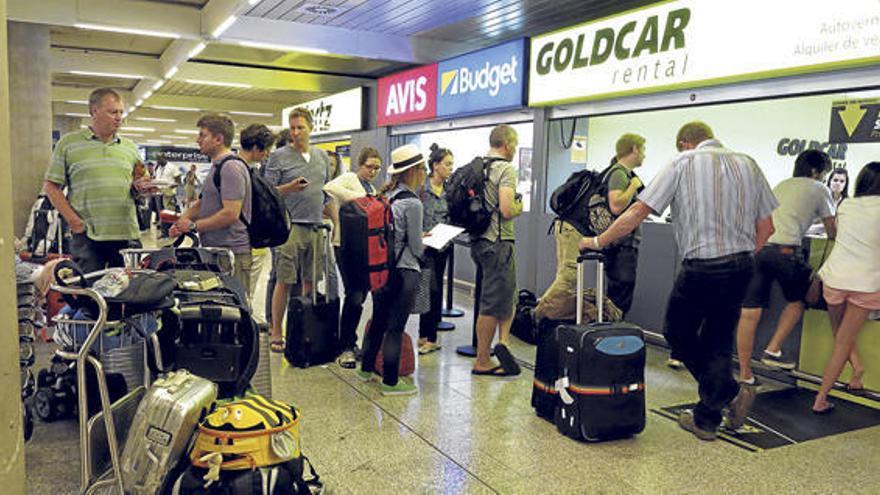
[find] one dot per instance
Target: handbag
(422, 299)
(814, 299)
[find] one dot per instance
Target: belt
(717, 261)
(786, 249)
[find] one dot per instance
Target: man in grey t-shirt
(802, 199)
(722, 208)
(299, 171)
(217, 216)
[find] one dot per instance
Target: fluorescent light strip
(155, 119)
(158, 84)
(253, 114)
(139, 102)
(197, 50)
(283, 48)
(218, 83)
(148, 94)
(157, 142)
(186, 131)
(254, 2)
(71, 114)
(171, 72)
(104, 74)
(175, 109)
(224, 26)
(166, 136)
(77, 102)
(130, 134)
(141, 129)
(116, 29)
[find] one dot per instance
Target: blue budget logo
(482, 81)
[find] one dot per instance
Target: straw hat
(404, 158)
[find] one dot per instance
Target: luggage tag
(562, 387)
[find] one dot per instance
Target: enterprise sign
(482, 81)
(690, 43)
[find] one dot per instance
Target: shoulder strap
(219, 167)
(401, 195)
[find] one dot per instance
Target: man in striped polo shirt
(96, 166)
(721, 209)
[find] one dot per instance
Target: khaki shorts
(302, 253)
(242, 271)
(498, 290)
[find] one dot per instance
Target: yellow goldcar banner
(690, 43)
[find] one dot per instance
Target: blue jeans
(700, 326)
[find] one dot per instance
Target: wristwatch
(192, 228)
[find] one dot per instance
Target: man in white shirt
(802, 198)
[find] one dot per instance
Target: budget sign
(482, 81)
(408, 96)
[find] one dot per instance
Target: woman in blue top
(436, 211)
(392, 304)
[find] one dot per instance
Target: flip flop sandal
(506, 359)
(276, 346)
(496, 371)
(827, 410)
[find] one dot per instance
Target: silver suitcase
(162, 428)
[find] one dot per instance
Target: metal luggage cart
(134, 257)
(101, 435)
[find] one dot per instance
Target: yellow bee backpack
(248, 433)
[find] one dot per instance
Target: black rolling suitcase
(601, 380)
(545, 398)
(313, 321)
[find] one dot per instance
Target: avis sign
(482, 81)
(408, 96)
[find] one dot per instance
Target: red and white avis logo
(408, 96)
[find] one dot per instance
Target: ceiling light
(157, 141)
(175, 109)
(155, 119)
(196, 50)
(224, 26)
(131, 109)
(104, 74)
(283, 48)
(138, 129)
(186, 131)
(139, 102)
(171, 72)
(77, 115)
(166, 136)
(77, 102)
(218, 83)
(148, 94)
(130, 134)
(158, 84)
(116, 29)
(254, 2)
(254, 114)
(83, 126)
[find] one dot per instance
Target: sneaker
(776, 360)
(674, 364)
(366, 376)
(401, 388)
(428, 347)
(347, 359)
(686, 421)
(738, 412)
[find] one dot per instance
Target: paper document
(440, 236)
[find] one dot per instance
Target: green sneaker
(401, 388)
(365, 376)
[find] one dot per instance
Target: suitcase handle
(600, 285)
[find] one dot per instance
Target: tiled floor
(464, 434)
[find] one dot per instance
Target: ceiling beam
(69, 93)
(271, 78)
(338, 41)
(132, 14)
(67, 60)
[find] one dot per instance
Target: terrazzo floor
(466, 434)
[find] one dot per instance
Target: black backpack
(270, 224)
(466, 196)
(582, 201)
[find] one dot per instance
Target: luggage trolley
(100, 436)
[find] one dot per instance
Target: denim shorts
(784, 264)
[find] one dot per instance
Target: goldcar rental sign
(683, 44)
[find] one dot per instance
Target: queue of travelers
(734, 234)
